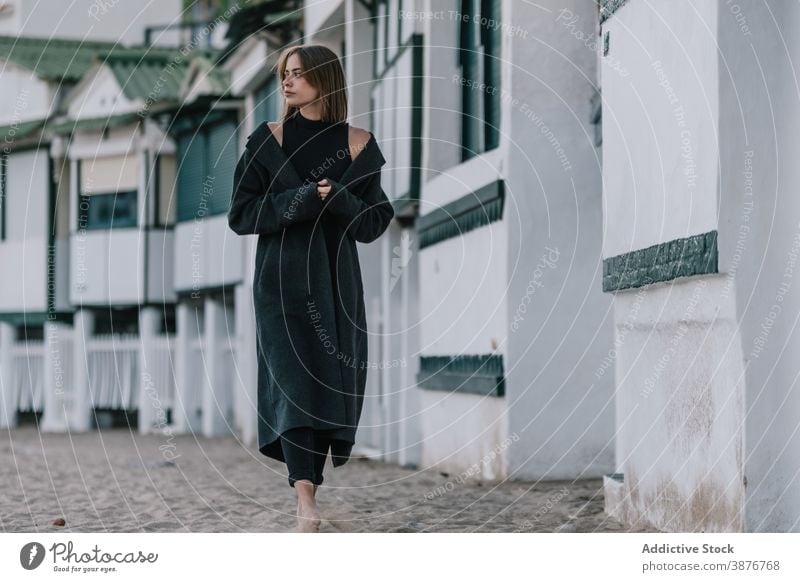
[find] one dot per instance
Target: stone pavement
(119, 481)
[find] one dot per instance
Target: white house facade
(700, 250)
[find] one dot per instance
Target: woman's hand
(323, 188)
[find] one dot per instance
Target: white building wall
(24, 96)
(674, 405)
(462, 310)
(703, 373)
(322, 18)
(206, 254)
(760, 242)
(558, 321)
(660, 123)
(680, 405)
(99, 94)
(23, 254)
(463, 306)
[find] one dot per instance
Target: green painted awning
(21, 130)
(71, 125)
(464, 214)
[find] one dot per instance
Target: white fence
(42, 377)
(28, 375)
(113, 367)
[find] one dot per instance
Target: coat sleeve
(365, 218)
(255, 211)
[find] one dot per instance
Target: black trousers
(305, 451)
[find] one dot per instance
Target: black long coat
(310, 329)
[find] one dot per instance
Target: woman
(309, 187)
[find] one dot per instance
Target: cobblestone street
(120, 482)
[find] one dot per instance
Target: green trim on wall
(38, 318)
(469, 212)
(472, 374)
(684, 257)
(608, 8)
(95, 123)
(20, 130)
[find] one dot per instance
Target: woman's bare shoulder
(358, 139)
(276, 128)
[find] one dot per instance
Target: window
(266, 102)
(207, 160)
(61, 187)
(26, 333)
(479, 59)
(114, 210)
(166, 189)
(108, 192)
(116, 320)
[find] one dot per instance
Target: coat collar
(268, 151)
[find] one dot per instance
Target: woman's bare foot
(308, 519)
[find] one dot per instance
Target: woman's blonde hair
(323, 71)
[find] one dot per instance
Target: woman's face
(296, 90)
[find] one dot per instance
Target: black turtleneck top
(319, 149)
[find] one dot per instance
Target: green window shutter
(3, 172)
(222, 158)
(470, 98)
(207, 159)
(191, 175)
(266, 106)
(492, 44)
(480, 51)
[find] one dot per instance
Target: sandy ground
(119, 481)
